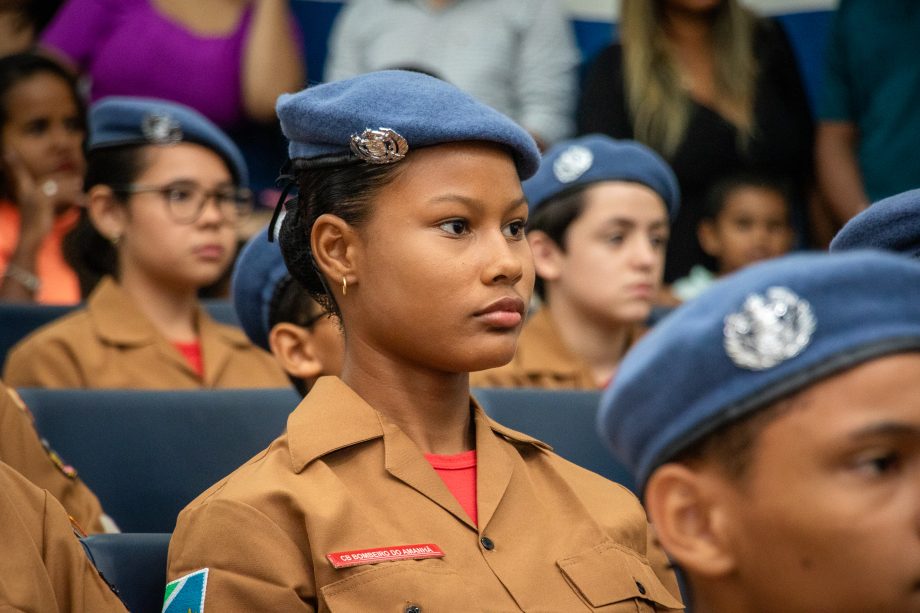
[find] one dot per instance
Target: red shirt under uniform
(459, 474)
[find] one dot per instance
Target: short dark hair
(731, 447)
(344, 191)
(722, 190)
(291, 303)
(554, 218)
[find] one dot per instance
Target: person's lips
(210, 252)
(506, 312)
(645, 291)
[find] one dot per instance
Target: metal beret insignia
(769, 329)
(380, 146)
(161, 129)
(572, 163)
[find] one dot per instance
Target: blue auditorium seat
(134, 564)
(146, 454)
(18, 320)
(564, 419)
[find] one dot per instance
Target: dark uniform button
(487, 543)
(641, 587)
(413, 608)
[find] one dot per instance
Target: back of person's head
(278, 314)
(747, 218)
(21, 21)
(658, 103)
(128, 138)
(556, 194)
(770, 422)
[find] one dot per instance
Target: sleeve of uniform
(42, 364)
(344, 59)
(229, 556)
(21, 448)
(547, 80)
(46, 551)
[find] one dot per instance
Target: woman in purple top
(228, 59)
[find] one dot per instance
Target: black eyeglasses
(185, 200)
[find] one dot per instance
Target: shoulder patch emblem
(186, 594)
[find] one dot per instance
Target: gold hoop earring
(344, 286)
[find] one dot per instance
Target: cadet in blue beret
(773, 426)
(600, 220)
(892, 224)
(391, 490)
(279, 315)
(165, 191)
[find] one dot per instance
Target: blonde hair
(659, 105)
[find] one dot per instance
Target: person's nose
(505, 259)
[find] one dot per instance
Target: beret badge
(769, 329)
(572, 163)
(380, 146)
(161, 129)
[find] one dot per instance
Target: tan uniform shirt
(42, 564)
(551, 536)
(111, 344)
(542, 360)
(24, 451)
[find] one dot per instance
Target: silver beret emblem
(769, 329)
(572, 163)
(161, 129)
(380, 146)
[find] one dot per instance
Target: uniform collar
(544, 350)
(332, 416)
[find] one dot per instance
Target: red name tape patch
(344, 559)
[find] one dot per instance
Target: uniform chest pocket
(608, 577)
(401, 587)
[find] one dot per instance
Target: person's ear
(709, 238)
(294, 350)
(691, 519)
(335, 244)
(547, 255)
(107, 214)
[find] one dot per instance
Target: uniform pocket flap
(607, 573)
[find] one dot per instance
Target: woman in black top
(712, 88)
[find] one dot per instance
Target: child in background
(747, 219)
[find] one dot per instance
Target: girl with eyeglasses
(165, 189)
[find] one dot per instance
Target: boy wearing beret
(600, 212)
(278, 315)
(774, 431)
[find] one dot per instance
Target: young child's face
(828, 518)
(753, 225)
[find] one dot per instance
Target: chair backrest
(222, 311)
(18, 320)
(134, 564)
(146, 454)
(564, 419)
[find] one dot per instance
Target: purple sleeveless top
(129, 48)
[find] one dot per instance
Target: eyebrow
(629, 223)
(886, 428)
(474, 202)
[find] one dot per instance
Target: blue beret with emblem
(379, 117)
(595, 158)
(125, 120)
(752, 339)
(258, 272)
(892, 224)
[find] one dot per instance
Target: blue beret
(125, 120)
(380, 116)
(258, 271)
(594, 158)
(892, 224)
(760, 335)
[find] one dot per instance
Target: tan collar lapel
(544, 352)
(218, 344)
(115, 318)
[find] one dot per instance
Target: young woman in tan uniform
(391, 489)
(165, 188)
